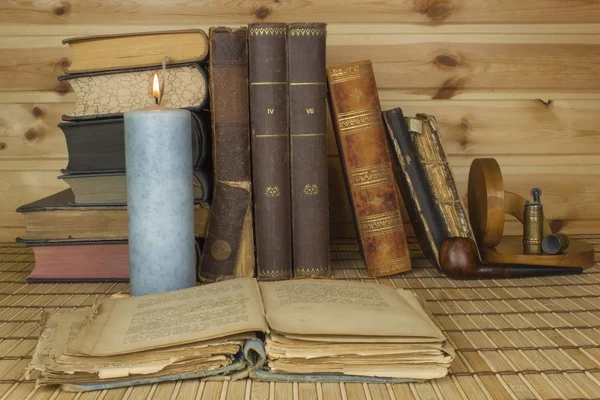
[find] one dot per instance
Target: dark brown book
(55, 218)
(267, 52)
(367, 166)
(99, 145)
(229, 247)
(185, 86)
(426, 181)
(308, 149)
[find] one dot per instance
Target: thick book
(229, 246)
(426, 181)
(55, 218)
(99, 145)
(83, 261)
(308, 149)
(110, 188)
(367, 166)
(235, 329)
(100, 261)
(268, 80)
(135, 50)
(111, 93)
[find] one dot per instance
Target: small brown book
(229, 247)
(308, 149)
(367, 166)
(270, 150)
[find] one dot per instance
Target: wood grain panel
(439, 66)
(244, 11)
(29, 131)
(507, 127)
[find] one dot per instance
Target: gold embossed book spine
(308, 149)
(229, 247)
(367, 166)
(270, 133)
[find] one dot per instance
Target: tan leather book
(229, 247)
(308, 149)
(270, 150)
(367, 166)
(134, 50)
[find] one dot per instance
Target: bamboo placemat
(533, 338)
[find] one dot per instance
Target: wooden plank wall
(516, 80)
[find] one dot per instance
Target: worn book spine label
(368, 171)
(229, 250)
(270, 150)
(308, 149)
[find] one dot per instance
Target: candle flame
(155, 88)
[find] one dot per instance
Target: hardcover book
(99, 145)
(229, 246)
(134, 50)
(267, 51)
(349, 332)
(367, 167)
(55, 218)
(111, 93)
(111, 188)
(426, 181)
(308, 149)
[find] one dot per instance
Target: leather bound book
(426, 181)
(229, 246)
(99, 145)
(308, 149)
(270, 150)
(125, 90)
(367, 166)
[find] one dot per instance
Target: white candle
(160, 199)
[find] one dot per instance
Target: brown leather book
(308, 149)
(367, 166)
(270, 150)
(229, 249)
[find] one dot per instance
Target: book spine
(270, 150)
(308, 149)
(228, 250)
(368, 171)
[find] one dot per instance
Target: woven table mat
(534, 338)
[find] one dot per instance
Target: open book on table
(302, 330)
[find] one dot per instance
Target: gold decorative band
(270, 134)
(306, 83)
(380, 223)
(307, 32)
(351, 124)
(267, 31)
(307, 134)
(350, 72)
(277, 274)
(266, 83)
(370, 177)
(354, 113)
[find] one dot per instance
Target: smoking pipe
(459, 259)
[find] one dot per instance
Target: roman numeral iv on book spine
(270, 149)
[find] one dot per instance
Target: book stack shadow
(80, 234)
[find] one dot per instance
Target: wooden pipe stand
(488, 203)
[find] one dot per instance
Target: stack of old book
(316, 330)
(81, 232)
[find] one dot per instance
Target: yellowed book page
(320, 307)
(388, 371)
(172, 318)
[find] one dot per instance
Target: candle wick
(156, 100)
